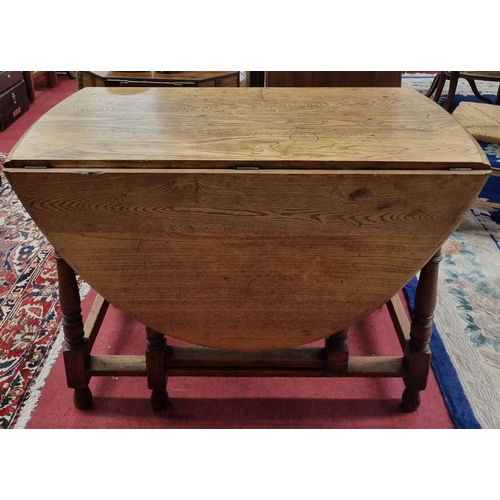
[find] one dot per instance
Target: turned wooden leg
(418, 354)
(337, 352)
(155, 368)
(75, 352)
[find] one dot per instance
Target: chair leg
(472, 84)
(451, 90)
(52, 79)
(440, 85)
(433, 86)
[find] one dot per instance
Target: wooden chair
(471, 76)
(30, 76)
(482, 121)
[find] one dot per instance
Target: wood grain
(249, 260)
(135, 366)
(300, 128)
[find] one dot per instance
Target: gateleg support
(337, 353)
(155, 368)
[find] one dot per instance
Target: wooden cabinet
(161, 79)
(13, 98)
(8, 79)
(325, 78)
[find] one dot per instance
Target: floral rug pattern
(27, 293)
(468, 312)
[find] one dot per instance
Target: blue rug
(465, 343)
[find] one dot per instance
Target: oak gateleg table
(248, 222)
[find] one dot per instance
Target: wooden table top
(320, 128)
(354, 196)
(170, 76)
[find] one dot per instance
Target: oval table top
(344, 195)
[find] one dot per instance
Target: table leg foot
(159, 399)
(410, 400)
(82, 398)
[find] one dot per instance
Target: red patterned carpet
(29, 314)
(29, 310)
(240, 403)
